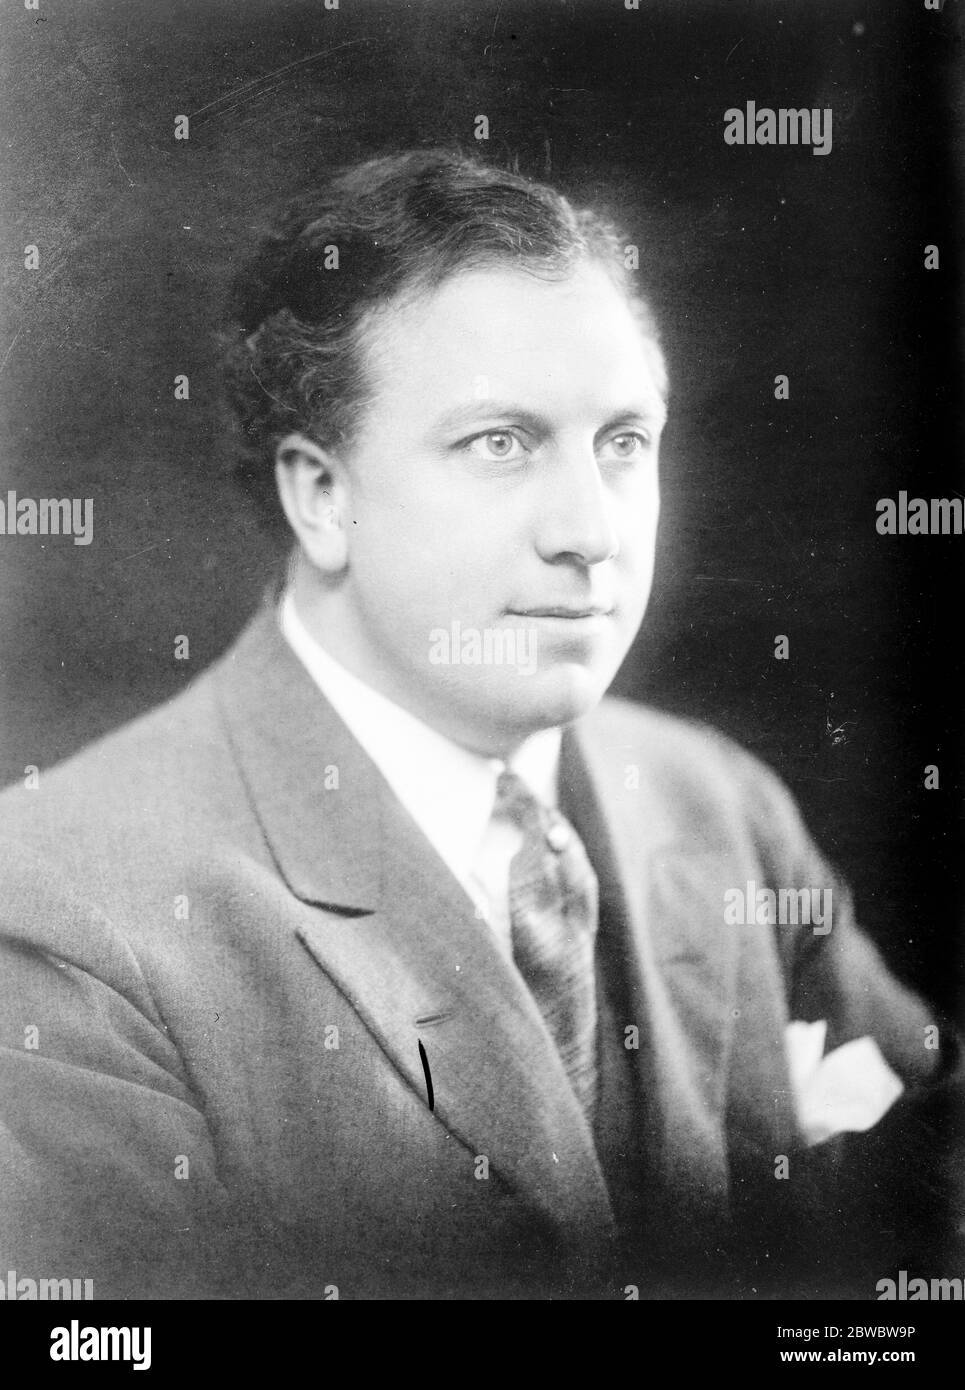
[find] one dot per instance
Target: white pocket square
(850, 1089)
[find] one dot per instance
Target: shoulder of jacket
(672, 739)
(695, 766)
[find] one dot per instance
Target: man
(387, 961)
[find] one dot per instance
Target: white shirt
(447, 790)
(450, 792)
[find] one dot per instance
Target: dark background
(760, 260)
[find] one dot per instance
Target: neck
(328, 622)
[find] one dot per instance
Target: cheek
(414, 577)
(434, 549)
(638, 539)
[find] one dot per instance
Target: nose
(575, 520)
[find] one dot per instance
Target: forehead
(572, 346)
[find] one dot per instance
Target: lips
(561, 610)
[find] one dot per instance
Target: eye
(496, 446)
(629, 445)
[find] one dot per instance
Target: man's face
(504, 481)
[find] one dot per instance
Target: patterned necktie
(553, 915)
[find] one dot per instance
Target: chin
(552, 698)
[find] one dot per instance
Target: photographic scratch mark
(268, 393)
(729, 579)
(733, 50)
(153, 546)
(491, 45)
(10, 349)
(87, 347)
(54, 269)
(120, 166)
(425, 1068)
(427, 1019)
(230, 97)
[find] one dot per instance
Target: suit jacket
(223, 941)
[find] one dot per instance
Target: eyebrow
(463, 416)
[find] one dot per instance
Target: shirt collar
(448, 790)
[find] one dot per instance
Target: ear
(313, 488)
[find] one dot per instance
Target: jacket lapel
(678, 957)
(399, 937)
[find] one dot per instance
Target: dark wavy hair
(294, 351)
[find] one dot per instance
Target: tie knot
(516, 802)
